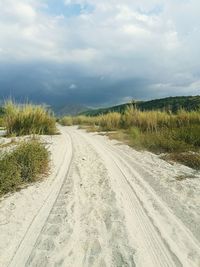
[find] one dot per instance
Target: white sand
(116, 207)
(19, 210)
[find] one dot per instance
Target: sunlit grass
(27, 119)
(156, 131)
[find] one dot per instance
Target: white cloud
(121, 39)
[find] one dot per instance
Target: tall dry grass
(28, 119)
(157, 131)
(110, 121)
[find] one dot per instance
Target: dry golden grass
(157, 131)
(28, 119)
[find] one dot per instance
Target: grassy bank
(27, 119)
(177, 134)
(22, 165)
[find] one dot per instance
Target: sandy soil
(21, 210)
(110, 206)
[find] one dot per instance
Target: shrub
(28, 119)
(32, 157)
(24, 164)
(10, 176)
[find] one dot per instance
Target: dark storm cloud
(95, 52)
(63, 84)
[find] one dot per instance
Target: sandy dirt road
(105, 212)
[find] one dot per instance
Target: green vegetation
(173, 104)
(27, 119)
(1, 116)
(24, 164)
(158, 131)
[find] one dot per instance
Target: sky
(99, 52)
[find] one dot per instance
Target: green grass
(25, 164)
(27, 119)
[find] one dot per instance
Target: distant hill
(188, 103)
(69, 109)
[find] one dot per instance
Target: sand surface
(104, 204)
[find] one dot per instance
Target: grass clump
(110, 121)
(66, 121)
(25, 164)
(27, 119)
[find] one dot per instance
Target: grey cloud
(139, 52)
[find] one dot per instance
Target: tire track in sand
(85, 227)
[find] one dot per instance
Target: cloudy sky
(99, 52)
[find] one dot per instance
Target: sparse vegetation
(24, 164)
(158, 131)
(27, 119)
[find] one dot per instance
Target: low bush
(10, 176)
(26, 163)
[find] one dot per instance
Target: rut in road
(86, 225)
